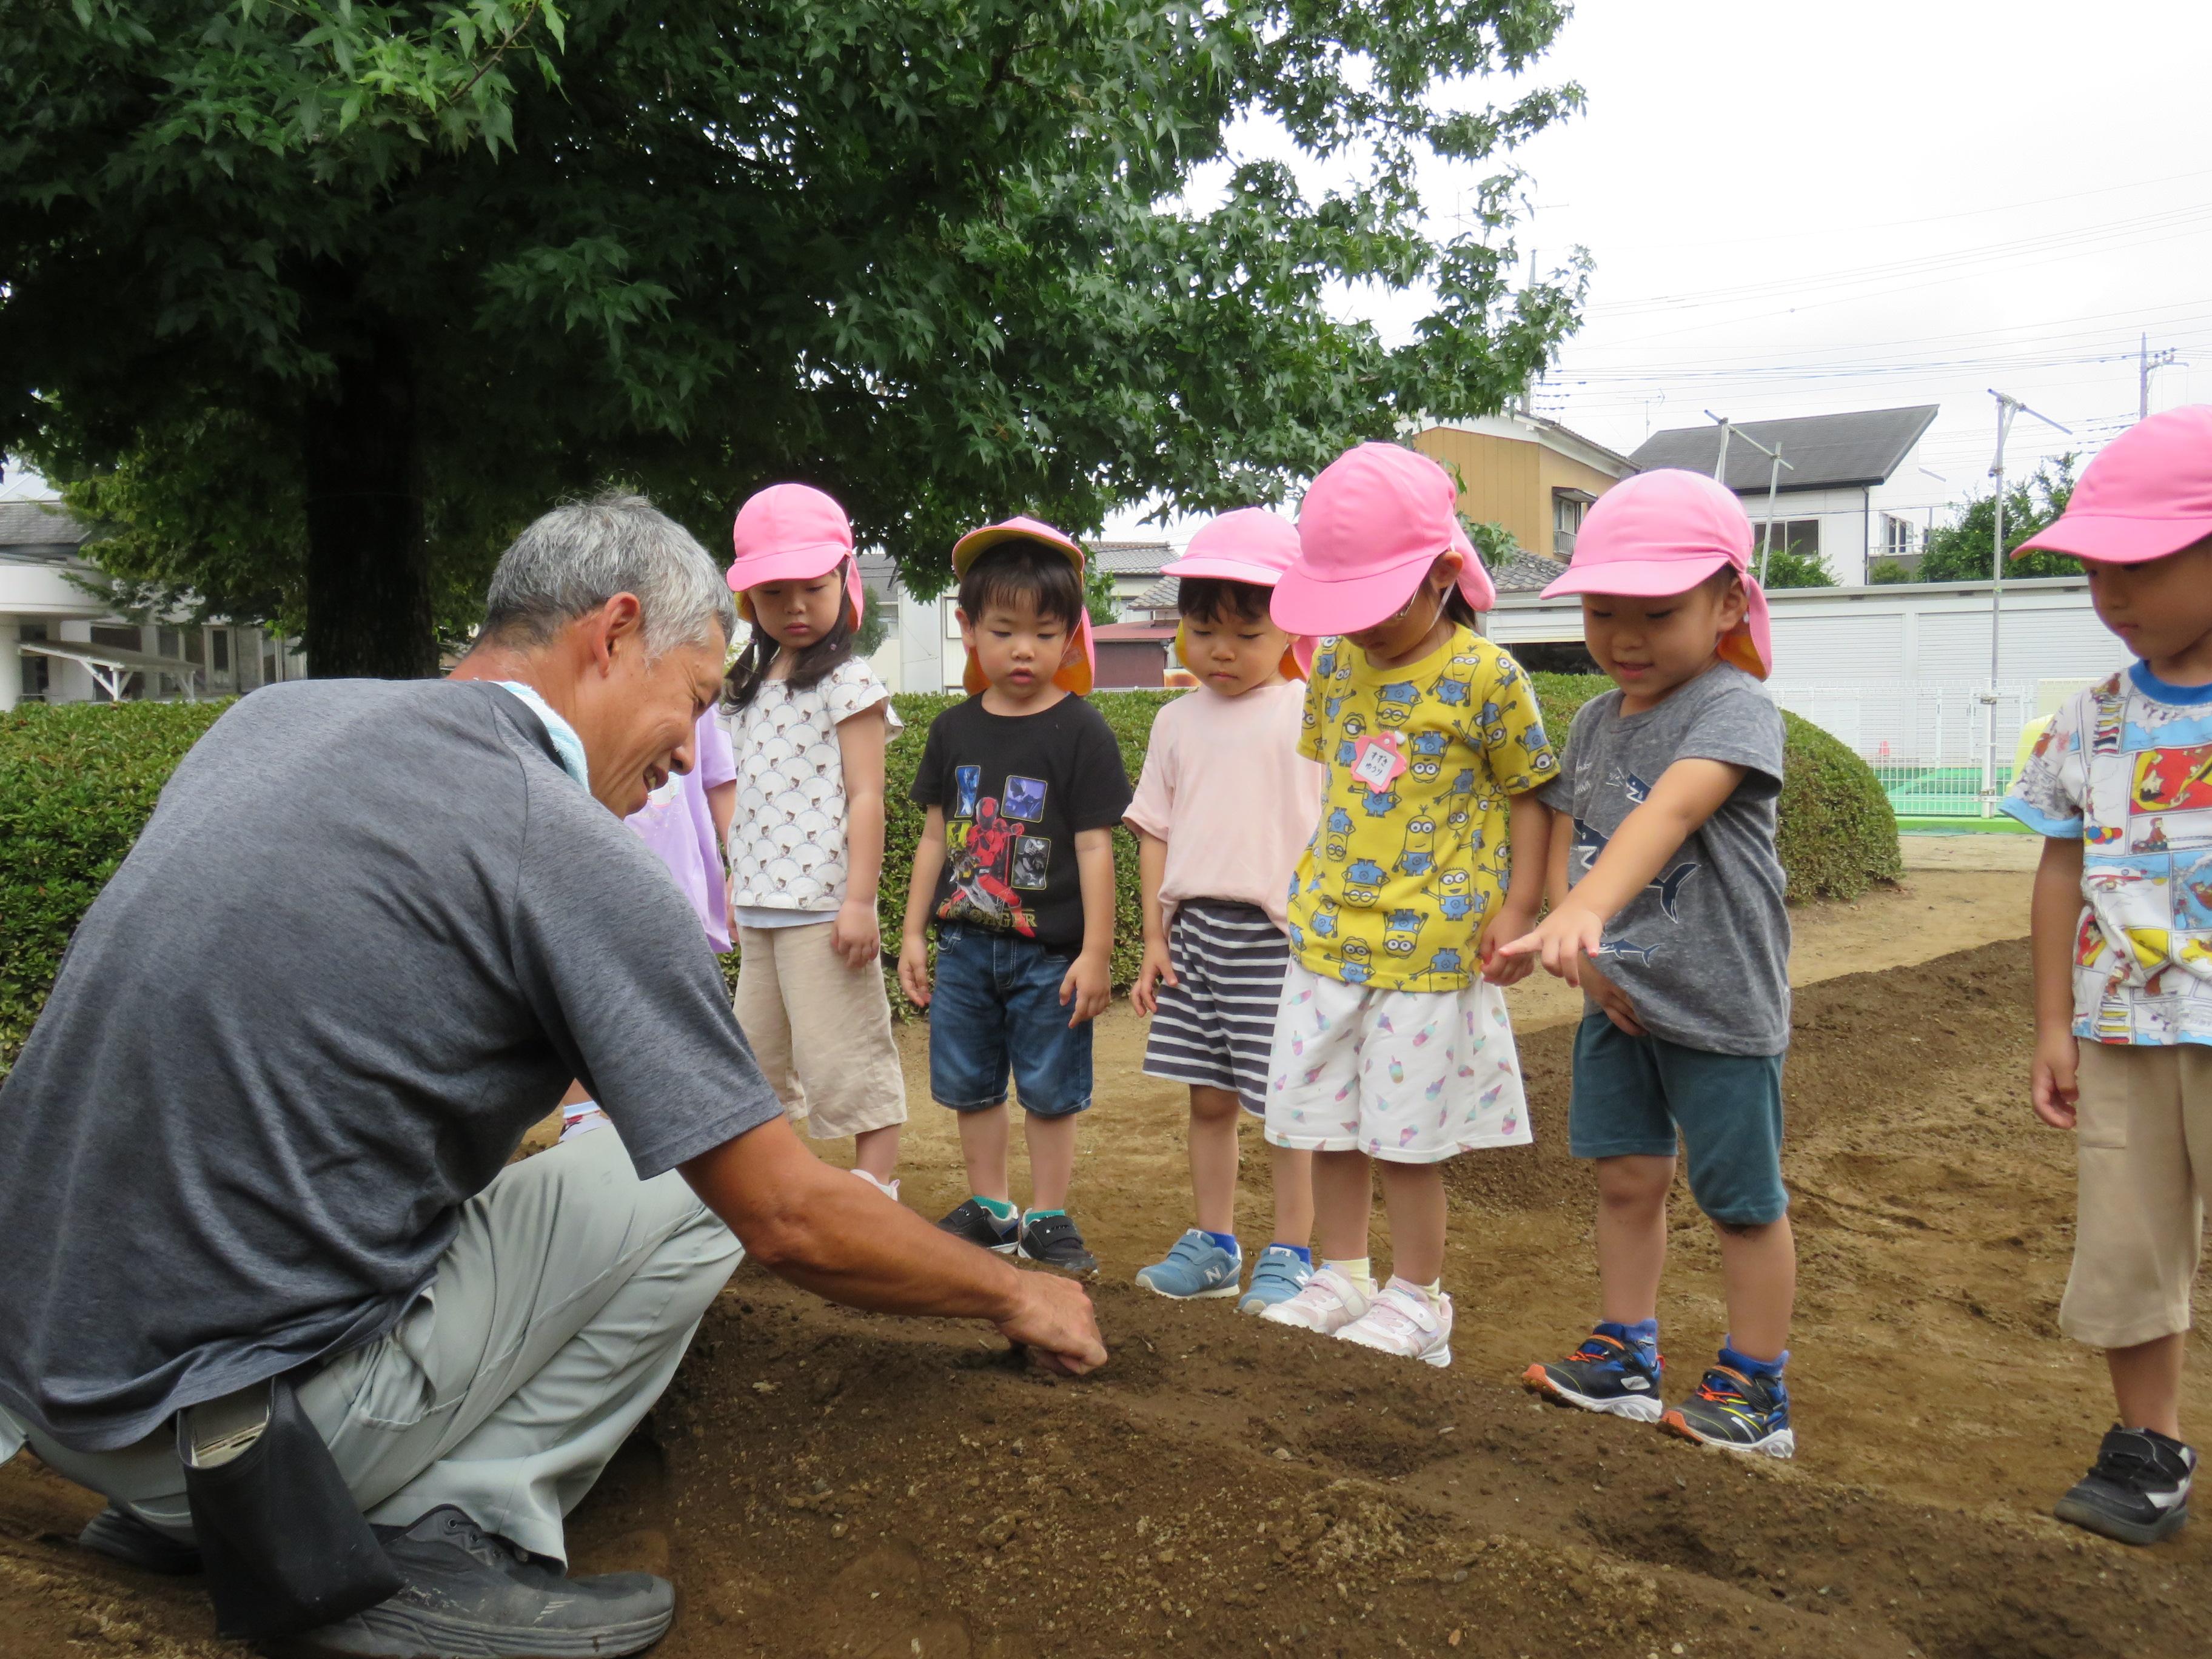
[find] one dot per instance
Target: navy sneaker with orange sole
(1604, 1374)
(1737, 1410)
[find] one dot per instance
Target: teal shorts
(1632, 1094)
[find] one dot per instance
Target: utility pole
(1773, 482)
(2008, 407)
(2144, 363)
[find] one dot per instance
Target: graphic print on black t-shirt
(979, 853)
(1016, 790)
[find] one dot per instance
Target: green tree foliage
(77, 783)
(320, 300)
(1964, 550)
(1494, 545)
(1099, 594)
(1787, 569)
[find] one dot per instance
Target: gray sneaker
(470, 1595)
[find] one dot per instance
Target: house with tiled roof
(1850, 495)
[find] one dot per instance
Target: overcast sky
(1795, 208)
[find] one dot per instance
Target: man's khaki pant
(556, 1318)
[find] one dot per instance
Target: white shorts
(1409, 1077)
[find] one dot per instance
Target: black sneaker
(127, 1539)
(1053, 1241)
(2138, 1492)
(1742, 1413)
(467, 1591)
(972, 1222)
(1604, 1374)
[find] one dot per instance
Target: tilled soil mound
(820, 1482)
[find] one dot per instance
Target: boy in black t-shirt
(1023, 784)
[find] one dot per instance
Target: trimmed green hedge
(77, 782)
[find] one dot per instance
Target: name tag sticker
(1376, 761)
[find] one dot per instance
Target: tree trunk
(368, 568)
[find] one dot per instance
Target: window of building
(169, 642)
(218, 650)
(1900, 536)
(1790, 536)
(196, 648)
(37, 670)
(1568, 507)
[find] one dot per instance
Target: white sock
(888, 1188)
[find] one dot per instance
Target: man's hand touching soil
(1055, 1321)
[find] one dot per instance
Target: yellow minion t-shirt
(1394, 888)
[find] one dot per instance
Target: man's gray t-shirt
(368, 937)
(1704, 952)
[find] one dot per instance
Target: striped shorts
(1214, 1028)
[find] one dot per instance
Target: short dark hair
(1023, 568)
(1216, 598)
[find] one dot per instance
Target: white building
(1846, 494)
(60, 642)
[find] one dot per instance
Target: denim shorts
(996, 1007)
(1632, 1093)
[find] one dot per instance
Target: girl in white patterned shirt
(810, 721)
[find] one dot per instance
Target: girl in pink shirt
(1224, 808)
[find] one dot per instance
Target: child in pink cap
(1670, 880)
(1391, 1045)
(809, 722)
(1223, 807)
(1021, 786)
(2118, 787)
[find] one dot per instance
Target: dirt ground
(820, 1482)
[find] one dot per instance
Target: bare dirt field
(826, 1483)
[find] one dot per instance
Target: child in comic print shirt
(2120, 788)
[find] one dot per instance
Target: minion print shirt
(2126, 769)
(1410, 859)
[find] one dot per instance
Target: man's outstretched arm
(841, 1238)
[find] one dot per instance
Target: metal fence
(1928, 743)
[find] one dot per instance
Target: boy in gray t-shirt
(1667, 908)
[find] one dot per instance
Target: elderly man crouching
(416, 915)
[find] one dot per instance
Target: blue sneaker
(1280, 1273)
(1196, 1269)
(1604, 1374)
(1742, 1413)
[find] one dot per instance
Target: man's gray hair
(578, 557)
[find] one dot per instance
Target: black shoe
(467, 1594)
(2138, 1492)
(1052, 1241)
(127, 1539)
(972, 1222)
